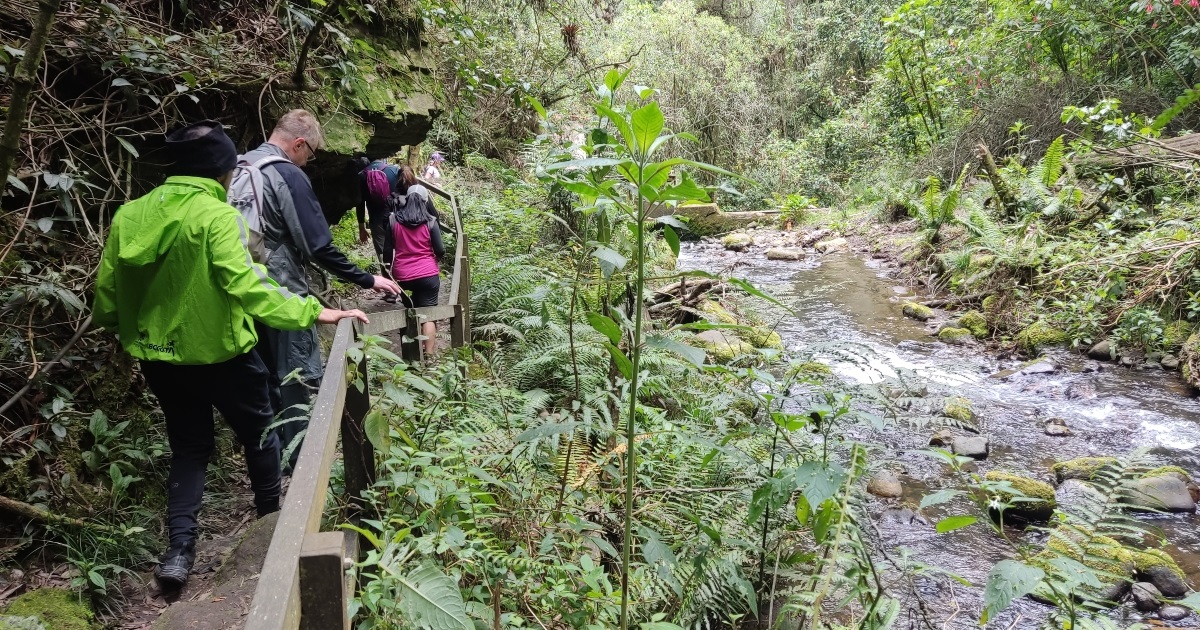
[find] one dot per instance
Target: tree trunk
(1008, 203)
(23, 81)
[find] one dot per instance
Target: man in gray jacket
(295, 233)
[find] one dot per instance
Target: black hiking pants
(238, 388)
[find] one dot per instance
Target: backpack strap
(268, 160)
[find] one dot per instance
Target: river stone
(738, 241)
(1165, 580)
(904, 516)
(1073, 495)
(1168, 493)
(942, 438)
(974, 447)
(1145, 596)
(917, 311)
(1169, 362)
(1101, 351)
(1172, 613)
(814, 236)
(886, 485)
(1056, 430)
(832, 245)
(785, 253)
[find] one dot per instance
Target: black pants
(187, 394)
(285, 351)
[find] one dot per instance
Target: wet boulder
(919, 312)
(785, 253)
(1056, 427)
(1076, 495)
(1173, 613)
(722, 347)
(958, 408)
(832, 245)
(956, 336)
(1162, 489)
(975, 322)
(737, 242)
(1189, 360)
(1102, 351)
(975, 447)
(1145, 596)
(1159, 569)
(942, 438)
(1080, 468)
(1039, 336)
(886, 485)
(1169, 362)
(904, 516)
(1029, 500)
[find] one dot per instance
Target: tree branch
(23, 81)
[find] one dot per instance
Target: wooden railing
(304, 582)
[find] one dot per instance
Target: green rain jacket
(178, 285)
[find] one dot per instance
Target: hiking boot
(175, 566)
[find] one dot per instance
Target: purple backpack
(378, 188)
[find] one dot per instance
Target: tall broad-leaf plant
(621, 176)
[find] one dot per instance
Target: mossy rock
(57, 608)
(8, 622)
(919, 312)
(1176, 334)
(955, 336)
(991, 304)
(1080, 468)
(737, 241)
(716, 313)
(1101, 553)
(809, 370)
(1163, 471)
(1041, 505)
(1039, 335)
(1189, 360)
(722, 346)
(1144, 561)
(761, 337)
(958, 408)
(975, 322)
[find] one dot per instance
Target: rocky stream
(1064, 407)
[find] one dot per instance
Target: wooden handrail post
(357, 451)
(410, 347)
(325, 588)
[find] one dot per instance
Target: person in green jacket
(178, 285)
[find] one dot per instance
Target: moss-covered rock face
(955, 336)
(722, 347)
(1037, 497)
(1101, 553)
(1039, 335)
(1080, 468)
(1176, 334)
(761, 337)
(975, 322)
(991, 304)
(919, 312)
(1189, 360)
(1163, 471)
(809, 370)
(54, 607)
(1145, 561)
(958, 408)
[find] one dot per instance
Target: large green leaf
(692, 354)
(952, 523)
(610, 260)
(605, 326)
(819, 481)
(375, 426)
(1007, 581)
(430, 599)
(647, 124)
(623, 363)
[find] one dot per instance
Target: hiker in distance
(415, 247)
(295, 233)
(177, 284)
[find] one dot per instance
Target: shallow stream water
(843, 298)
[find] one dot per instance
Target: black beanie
(201, 149)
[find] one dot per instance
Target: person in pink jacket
(415, 247)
